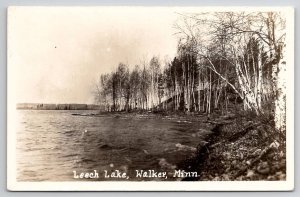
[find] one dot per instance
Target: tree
(249, 42)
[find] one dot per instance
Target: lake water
(52, 144)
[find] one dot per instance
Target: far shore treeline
(45, 106)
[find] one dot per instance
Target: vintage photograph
(149, 94)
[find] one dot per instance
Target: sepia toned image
(150, 98)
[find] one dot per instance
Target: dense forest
(223, 59)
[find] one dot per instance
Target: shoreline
(240, 147)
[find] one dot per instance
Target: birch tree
(252, 42)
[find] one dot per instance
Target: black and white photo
(150, 98)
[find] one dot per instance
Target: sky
(56, 55)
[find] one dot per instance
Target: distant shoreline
(65, 106)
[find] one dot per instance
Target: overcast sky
(57, 54)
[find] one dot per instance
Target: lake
(51, 144)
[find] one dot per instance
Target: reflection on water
(51, 144)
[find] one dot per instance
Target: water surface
(52, 144)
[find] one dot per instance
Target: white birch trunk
(280, 96)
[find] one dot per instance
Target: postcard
(139, 98)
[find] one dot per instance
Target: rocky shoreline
(236, 147)
(240, 149)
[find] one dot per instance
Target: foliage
(222, 58)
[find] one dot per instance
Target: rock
(250, 173)
(257, 151)
(241, 156)
(225, 177)
(226, 155)
(282, 177)
(227, 170)
(216, 179)
(270, 178)
(240, 178)
(281, 154)
(263, 168)
(234, 162)
(274, 144)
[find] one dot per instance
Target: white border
(287, 185)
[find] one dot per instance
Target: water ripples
(51, 144)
